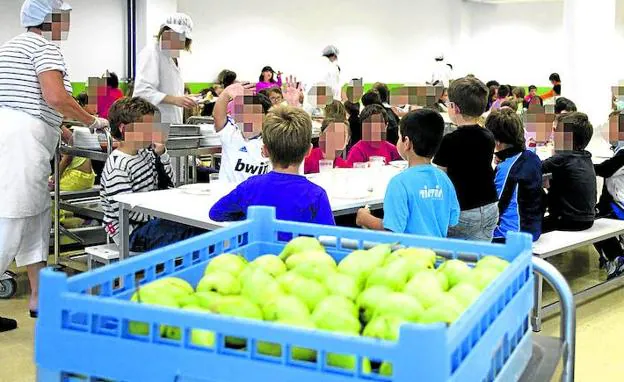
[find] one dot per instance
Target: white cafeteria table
(191, 206)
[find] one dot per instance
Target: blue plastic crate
(83, 331)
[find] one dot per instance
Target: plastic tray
(82, 329)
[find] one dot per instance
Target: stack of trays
(183, 137)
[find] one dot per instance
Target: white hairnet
(329, 50)
(180, 23)
(34, 12)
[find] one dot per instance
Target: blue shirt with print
(422, 201)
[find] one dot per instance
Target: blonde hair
(287, 135)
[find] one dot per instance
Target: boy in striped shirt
(132, 168)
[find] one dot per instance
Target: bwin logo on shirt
(250, 168)
(431, 193)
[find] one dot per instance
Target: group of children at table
(450, 188)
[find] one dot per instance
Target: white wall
(379, 41)
(96, 39)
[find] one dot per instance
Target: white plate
(402, 164)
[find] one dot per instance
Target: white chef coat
(441, 72)
(158, 76)
(332, 78)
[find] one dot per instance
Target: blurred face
(563, 139)
(355, 91)
(374, 129)
(56, 26)
(533, 92)
(616, 129)
(145, 132)
(540, 124)
(248, 116)
(444, 97)
(267, 75)
(334, 140)
(172, 43)
(276, 98)
(321, 96)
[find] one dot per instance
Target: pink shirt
(267, 85)
(106, 100)
(311, 163)
(363, 150)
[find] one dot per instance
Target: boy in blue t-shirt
(287, 137)
(421, 200)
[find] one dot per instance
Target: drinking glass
(326, 165)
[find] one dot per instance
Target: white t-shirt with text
(240, 158)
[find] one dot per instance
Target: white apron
(27, 146)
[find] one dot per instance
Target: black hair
(532, 87)
(563, 104)
(507, 127)
(112, 81)
(226, 78)
(489, 84)
(371, 97)
(504, 91)
(554, 77)
(578, 124)
(470, 95)
(263, 100)
(353, 108)
(384, 92)
(82, 99)
(371, 110)
(425, 129)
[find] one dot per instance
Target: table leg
(536, 315)
(124, 232)
(194, 168)
(57, 205)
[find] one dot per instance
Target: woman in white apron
(35, 94)
(158, 77)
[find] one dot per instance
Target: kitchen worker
(158, 77)
(442, 72)
(332, 75)
(35, 95)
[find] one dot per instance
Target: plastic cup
(213, 178)
(326, 165)
(360, 165)
(377, 162)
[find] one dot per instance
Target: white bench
(558, 242)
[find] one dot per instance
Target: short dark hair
(532, 87)
(470, 95)
(507, 127)
(112, 81)
(504, 91)
(126, 111)
(564, 104)
(578, 124)
(287, 133)
(353, 108)
(384, 92)
(371, 110)
(518, 92)
(259, 99)
(554, 77)
(491, 83)
(371, 97)
(82, 99)
(226, 78)
(336, 111)
(425, 129)
(511, 103)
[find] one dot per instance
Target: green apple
(337, 320)
(447, 310)
(399, 305)
(287, 279)
(393, 275)
(492, 262)
(482, 277)
(334, 303)
(221, 282)
(309, 291)
(414, 254)
(368, 301)
(361, 263)
(465, 293)
(188, 300)
(207, 300)
(238, 306)
(315, 257)
(176, 285)
(348, 362)
(260, 287)
(298, 353)
(283, 307)
(227, 262)
(455, 271)
(314, 271)
(385, 369)
(384, 328)
(200, 337)
(271, 264)
(342, 285)
(150, 297)
(301, 244)
(380, 251)
(425, 287)
(443, 280)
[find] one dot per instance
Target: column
(589, 35)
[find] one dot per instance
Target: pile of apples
(369, 293)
